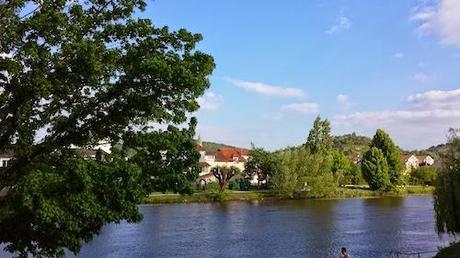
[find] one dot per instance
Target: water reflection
(311, 228)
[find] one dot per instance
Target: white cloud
(440, 17)
(267, 89)
(210, 101)
(306, 107)
(344, 101)
(343, 23)
(399, 55)
(420, 77)
(424, 123)
(436, 99)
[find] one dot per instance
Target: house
(223, 157)
(412, 161)
(5, 157)
(88, 153)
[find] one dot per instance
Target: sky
(362, 65)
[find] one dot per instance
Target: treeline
(319, 166)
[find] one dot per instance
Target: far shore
(259, 195)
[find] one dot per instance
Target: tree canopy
(447, 187)
(78, 73)
(261, 163)
(383, 142)
(374, 168)
(319, 138)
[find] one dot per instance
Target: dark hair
(344, 250)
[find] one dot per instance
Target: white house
(5, 157)
(411, 161)
(223, 157)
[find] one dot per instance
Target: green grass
(452, 251)
(339, 193)
(208, 197)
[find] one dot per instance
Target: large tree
(77, 73)
(319, 138)
(447, 187)
(224, 174)
(383, 142)
(374, 168)
(262, 164)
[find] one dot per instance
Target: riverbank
(341, 193)
(451, 251)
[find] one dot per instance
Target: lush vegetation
(424, 175)
(447, 188)
(451, 251)
(78, 73)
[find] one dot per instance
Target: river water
(300, 228)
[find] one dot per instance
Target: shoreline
(264, 195)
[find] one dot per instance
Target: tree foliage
(304, 174)
(224, 174)
(447, 187)
(383, 142)
(319, 138)
(77, 73)
(374, 168)
(261, 163)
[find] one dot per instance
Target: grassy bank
(451, 251)
(208, 197)
(261, 195)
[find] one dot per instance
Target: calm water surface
(311, 228)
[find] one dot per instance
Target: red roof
(205, 176)
(230, 155)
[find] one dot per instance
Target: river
(301, 228)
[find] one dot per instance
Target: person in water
(343, 253)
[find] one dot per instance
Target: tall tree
(374, 168)
(447, 187)
(319, 138)
(76, 73)
(382, 141)
(224, 174)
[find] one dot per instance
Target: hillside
(351, 145)
(213, 146)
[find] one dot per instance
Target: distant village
(227, 157)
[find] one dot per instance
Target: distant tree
(425, 175)
(374, 168)
(224, 174)
(447, 187)
(340, 163)
(382, 141)
(319, 138)
(304, 175)
(345, 171)
(80, 72)
(261, 163)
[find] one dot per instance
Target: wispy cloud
(439, 17)
(398, 55)
(267, 89)
(344, 101)
(343, 23)
(210, 101)
(423, 123)
(420, 77)
(306, 107)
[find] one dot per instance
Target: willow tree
(77, 73)
(447, 187)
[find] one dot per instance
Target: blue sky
(361, 64)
